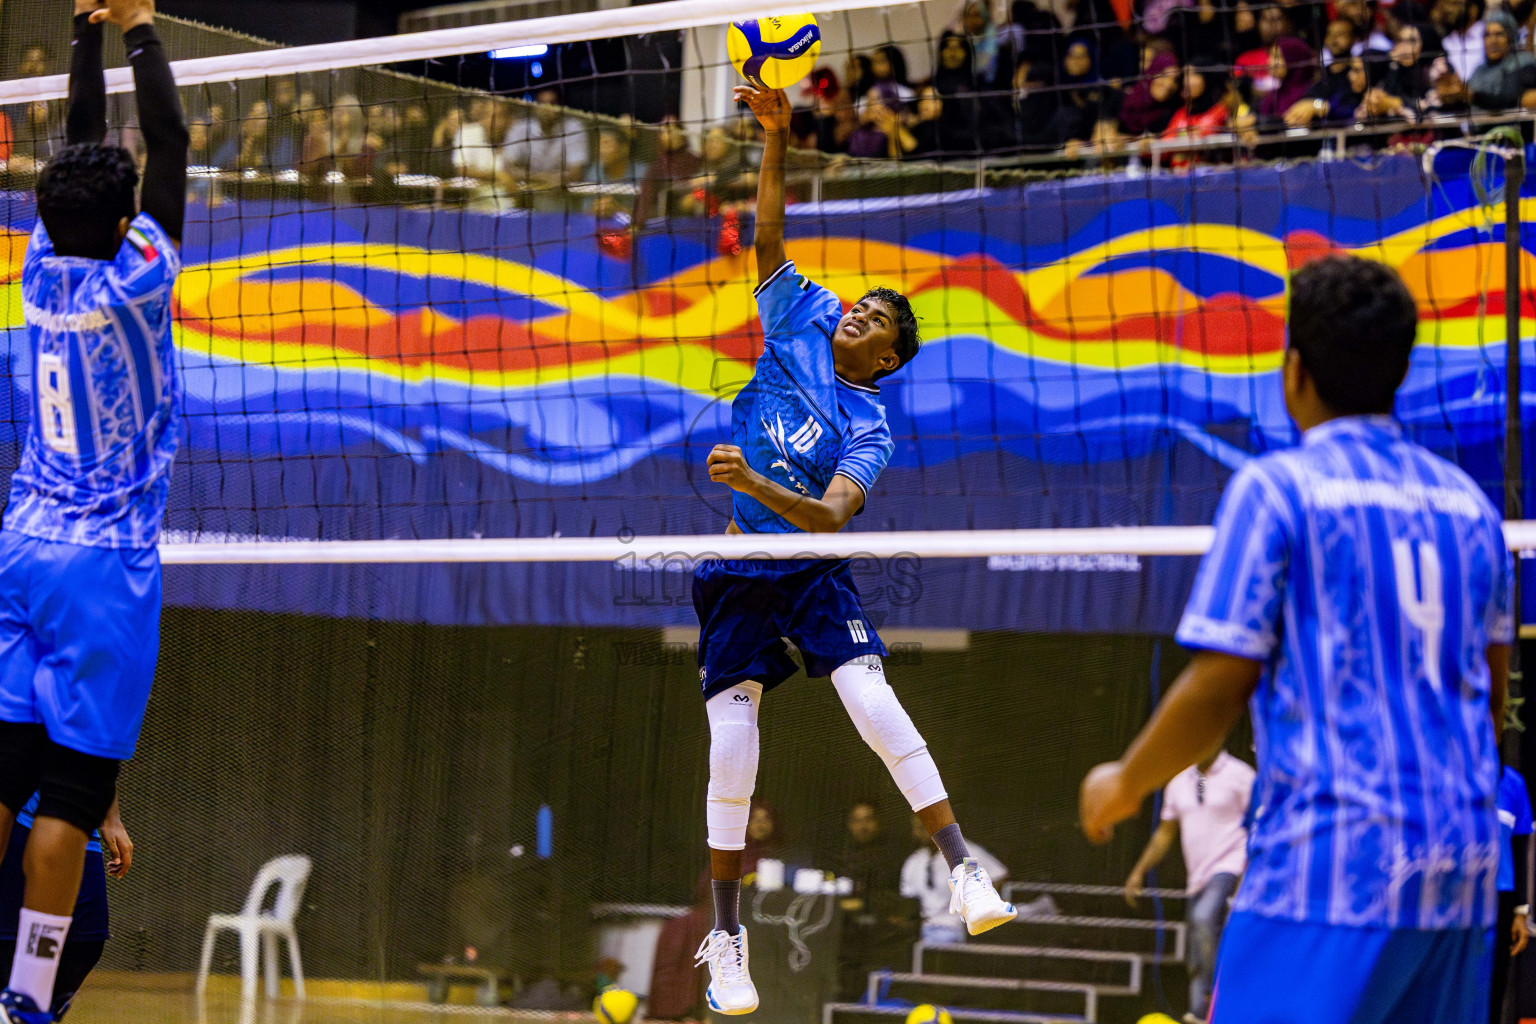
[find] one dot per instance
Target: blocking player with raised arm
(1358, 597)
(79, 566)
(810, 438)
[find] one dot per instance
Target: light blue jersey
(798, 423)
(95, 469)
(1369, 577)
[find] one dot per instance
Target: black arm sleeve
(164, 128)
(1521, 843)
(87, 118)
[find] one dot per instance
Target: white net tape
(671, 15)
(1128, 540)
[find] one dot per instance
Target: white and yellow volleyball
(615, 1006)
(774, 53)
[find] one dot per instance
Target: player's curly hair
(907, 339)
(1353, 322)
(82, 195)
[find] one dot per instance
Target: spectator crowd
(1063, 79)
(1115, 73)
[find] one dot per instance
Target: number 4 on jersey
(1421, 597)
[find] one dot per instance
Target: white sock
(39, 943)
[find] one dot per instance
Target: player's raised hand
(1105, 802)
(125, 14)
(727, 465)
(771, 106)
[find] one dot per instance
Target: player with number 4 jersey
(79, 567)
(809, 440)
(1358, 597)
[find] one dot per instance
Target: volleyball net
(495, 282)
(462, 316)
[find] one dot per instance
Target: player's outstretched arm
(160, 117)
(86, 121)
(771, 106)
(827, 514)
(1205, 702)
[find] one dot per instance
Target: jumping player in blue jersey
(1358, 596)
(79, 568)
(810, 439)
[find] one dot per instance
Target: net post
(1514, 455)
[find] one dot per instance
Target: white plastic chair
(290, 874)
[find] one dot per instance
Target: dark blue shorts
(747, 609)
(79, 635)
(90, 923)
(1288, 972)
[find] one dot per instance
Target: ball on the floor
(1157, 1018)
(774, 52)
(929, 1014)
(615, 1006)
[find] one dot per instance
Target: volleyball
(927, 1013)
(614, 1006)
(774, 53)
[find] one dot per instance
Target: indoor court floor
(105, 1004)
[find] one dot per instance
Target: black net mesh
(509, 296)
(411, 762)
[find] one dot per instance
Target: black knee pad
(23, 753)
(76, 788)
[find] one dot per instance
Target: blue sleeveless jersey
(96, 464)
(797, 422)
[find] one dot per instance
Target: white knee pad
(733, 752)
(887, 728)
